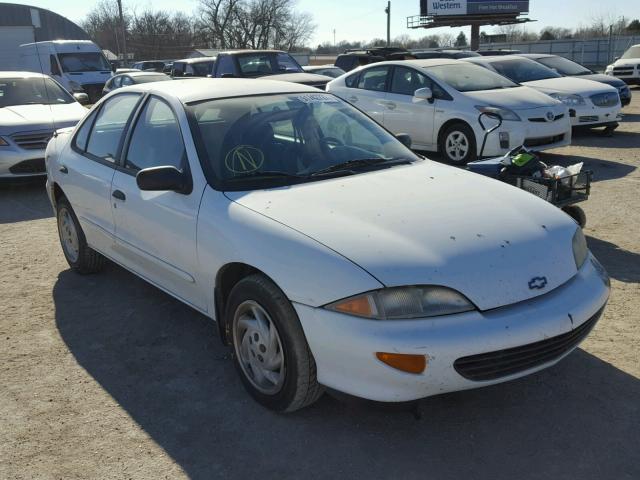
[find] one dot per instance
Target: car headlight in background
(404, 302)
(568, 99)
(608, 70)
(580, 249)
(3, 142)
(505, 113)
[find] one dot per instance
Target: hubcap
(258, 347)
(457, 146)
(68, 235)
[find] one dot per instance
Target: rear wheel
(458, 144)
(80, 257)
(271, 352)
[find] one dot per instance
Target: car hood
(303, 78)
(578, 86)
(626, 62)
(608, 79)
(430, 224)
(518, 98)
(18, 118)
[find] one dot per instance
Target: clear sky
(365, 19)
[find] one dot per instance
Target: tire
(577, 214)
(462, 132)
(80, 257)
(283, 386)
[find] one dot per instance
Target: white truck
(627, 67)
(78, 65)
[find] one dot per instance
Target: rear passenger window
(352, 80)
(374, 79)
(156, 139)
(80, 142)
(104, 139)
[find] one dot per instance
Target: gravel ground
(107, 377)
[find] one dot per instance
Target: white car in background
(627, 67)
(347, 262)
(591, 104)
(32, 107)
(438, 102)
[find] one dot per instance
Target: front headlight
(505, 113)
(404, 302)
(580, 249)
(608, 70)
(570, 100)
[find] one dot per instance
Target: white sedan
(438, 102)
(591, 104)
(344, 262)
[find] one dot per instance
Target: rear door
(405, 113)
(370, 93)
(156, 231)
(89, 166)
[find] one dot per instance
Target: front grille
(588, 119)
(502, 363)
(623, 71)
(543, 119)
(605, 99)
(35, 165)
(537, 142)
(32, 140)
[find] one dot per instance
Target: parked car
(569, 68)
(591, 104)
(32, 107)
(133, 78)
(348, 263)
(438, 102)
(326, 70)
(455, 54)
(193, 67)
(491, 52)
(150, 65)
(356, 58)
(265, 64)
(627, 67)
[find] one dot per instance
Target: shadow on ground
(602, 169)
(27, 201)
(621, 264)
(163, 363)
(594, 138)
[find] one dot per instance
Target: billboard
(434, 8)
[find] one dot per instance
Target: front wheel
(457, 144)
(271, 351)
(80, 257)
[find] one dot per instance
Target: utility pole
(334, 38)
(388, 12)
(124, 33)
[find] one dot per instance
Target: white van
(79, 65)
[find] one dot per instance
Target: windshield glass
(267, 63)
(523, 70)
(26, 91)
(633, 52)
(286, 138)
(469, 78)
(83, 62)
(564, 66)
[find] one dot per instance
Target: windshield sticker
(316, 98)
(244, 159)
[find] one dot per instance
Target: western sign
(434, 8)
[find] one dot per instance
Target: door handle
(63, 169)
(119, 195)
(352, 99)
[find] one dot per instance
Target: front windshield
(267, 63)
(271, 140)
(83, 62)
(633, 52)
(469, 78)
(523, 70)
(32, 91)
(564, 66)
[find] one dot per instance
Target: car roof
(246, 50)
(194, 90)
(141, 74)
(494, 58)
(418, 63)
(22, 75)
(534, 55)
(196, 60)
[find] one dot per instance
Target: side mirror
(81, 98)
(156, 179)
(424, 94)
(404, 139)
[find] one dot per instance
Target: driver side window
(406, 81)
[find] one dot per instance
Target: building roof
(49, 25)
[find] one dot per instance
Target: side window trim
(91, 117)
(120, 164)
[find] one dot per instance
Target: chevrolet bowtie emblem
(537, 283)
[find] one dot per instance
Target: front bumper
(344, 347)
(592, 116)
(17, 163)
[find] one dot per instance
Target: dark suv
(455, 54)
(270, 64)
(355, 58)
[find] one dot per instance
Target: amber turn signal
(404, 362)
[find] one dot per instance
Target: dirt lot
(107, 377)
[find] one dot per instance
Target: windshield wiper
(267, 174)
(359, 163)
